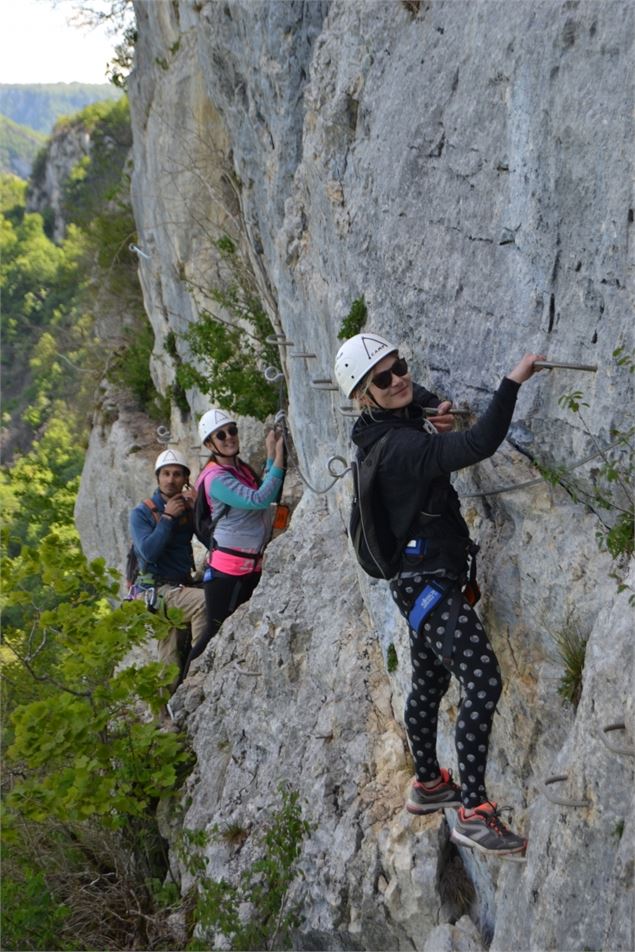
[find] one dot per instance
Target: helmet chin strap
(218, 452)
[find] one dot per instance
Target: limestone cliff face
(66, 147)
(467, 169)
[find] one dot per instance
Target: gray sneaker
(428, 799)
(482, 829)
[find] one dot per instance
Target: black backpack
(132, 562)
(204, 521)
(378, 551)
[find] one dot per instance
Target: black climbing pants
(474, 664)
(223, 594)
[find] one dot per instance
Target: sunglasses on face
(221, 435)
(383, 380)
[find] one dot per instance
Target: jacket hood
(372, 424)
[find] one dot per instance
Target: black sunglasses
(383, 380)
(231, 430)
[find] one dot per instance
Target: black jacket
(414, 472)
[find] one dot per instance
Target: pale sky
(37, 45)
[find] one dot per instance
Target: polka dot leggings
(474, 664)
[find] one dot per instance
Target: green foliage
(624, 359)
(19, 146)
(30, 916)
(85, 766)
(79, 737)
(130, 368)
(571, 646)
(610, 488)
(121, 64)
(96, 179)
(39, 489)
(263, 888)
(84, 770)
(392, 661)
(231, 350)
(354, 320)
(54, 294)
(42, 334)
(12, 195)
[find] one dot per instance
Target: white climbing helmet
(211, 421)
(357, 356)
(171, 458)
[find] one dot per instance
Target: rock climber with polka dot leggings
(417, 508)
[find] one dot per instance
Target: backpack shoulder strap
(153, 508)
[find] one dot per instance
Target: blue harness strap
(426, 601)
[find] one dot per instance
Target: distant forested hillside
(40, 105)
(18, 147)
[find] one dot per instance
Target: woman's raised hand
(270, 443)
(525, 369)
(443, 422)
(274, 443)
(279, 446)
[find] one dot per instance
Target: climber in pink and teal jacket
(233, 490)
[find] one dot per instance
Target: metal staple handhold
(323, 383)
(138, 251)
(303, 354)
(251, 674)
(618, 726)
(561, 800)
(279, 339)
(455, 411)
(272, 374)
(332, 471)
(348, 411)
(559, 365)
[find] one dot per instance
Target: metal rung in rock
(559, 365)
(305, 355)
(619, 726)
(324, 383)
(561, 800)
(279, 339)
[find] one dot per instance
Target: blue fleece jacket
(164, 548)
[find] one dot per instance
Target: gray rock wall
(45, 194)
(467, 169)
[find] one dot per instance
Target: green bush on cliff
(255, 913)
(84, 769)
(231, 346)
